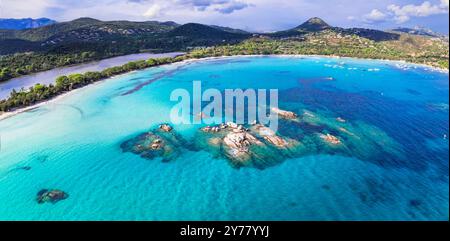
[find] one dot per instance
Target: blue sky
(253, 15)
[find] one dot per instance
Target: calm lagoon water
(73, 144)
(49, 76)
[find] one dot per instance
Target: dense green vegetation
(39, 92)
(413, 49)
(12, 66)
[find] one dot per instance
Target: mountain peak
(24, 23)
(86, 20)
(417, 30)
(313, 24)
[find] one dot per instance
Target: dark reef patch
(415, 203)
(373, 190)
(51, 196)
(214, 76)
(161, 142)
(40, 158)
(284, 72)
(413, 92)
(74, 107)
(292, 204)
(227, 61)
(24, 168)
(157, 77)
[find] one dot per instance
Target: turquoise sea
(395, 164)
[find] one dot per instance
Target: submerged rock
(342, 129)
(206, 129)
(330, 139)
(284, 113)
(162, 142)
(232, 125)
(270, 136)
(51, 196)
(308, 114)
(24, 168)
(414, 203)
(341, 120)
(165, 127)
(213, 128)
(157, 144)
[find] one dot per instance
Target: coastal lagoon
(49, 76)
(392, 120)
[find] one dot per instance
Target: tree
(76, 79)
(92, 76)
(62, 82)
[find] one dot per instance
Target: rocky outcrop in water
(284, 113)
(51, 196)
(255, 145)
(341, 120)
(258, 146)
(237, 145)
(165, 127)
(270, 136)
(330, 139)
(161, 142)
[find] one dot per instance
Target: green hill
(194, 34)
(79, 31)
(115, 36)
(313, 25)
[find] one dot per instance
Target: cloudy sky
(253, 15)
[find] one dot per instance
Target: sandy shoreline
(6, 115)
(322, 56)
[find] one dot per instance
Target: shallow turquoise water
(73, 144)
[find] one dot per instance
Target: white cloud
(402, 14)
(33, 8)
(188, 8)
(153, 11)
(401, 19)
(232, 7)
(375, 16)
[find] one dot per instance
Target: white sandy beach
(5, 115)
